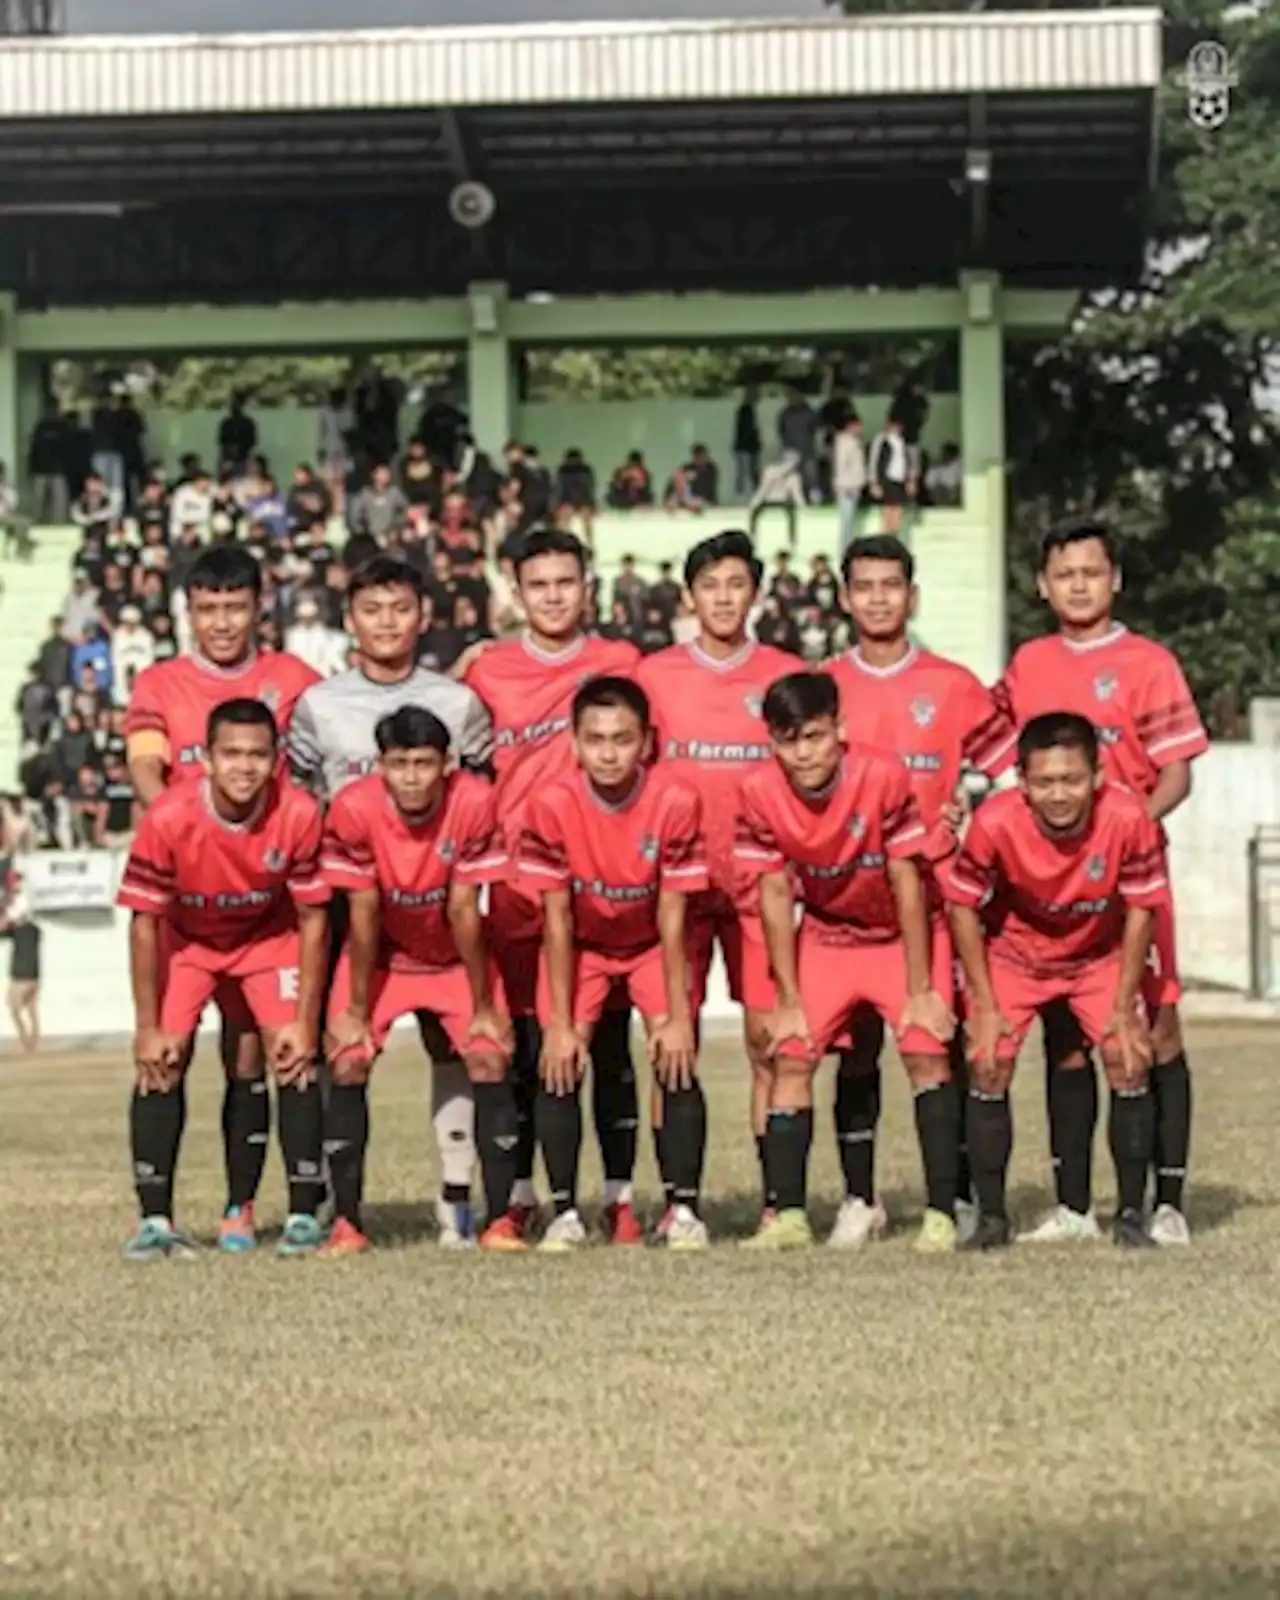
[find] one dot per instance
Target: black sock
(938, 1130)
(1073, 1116)
(1132, 1131)
(615, 1104)
(660, 1161)
(788, 1138)
(958, 1060)
(524, 1084)
(156, 1121)
(768, 1187)
(560, 1135)
(857, 1116)
(497, 1134)
(302, 1144)
(1171, 1087)
(246, 1131)
(346, 1142)
(684, 1116)
(989, 1119)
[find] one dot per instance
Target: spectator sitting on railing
(695, 486)
(576, 496)
(782, 486)
(631, 487)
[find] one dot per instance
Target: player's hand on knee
(292, 1054)
(348, 1033)
(1129, 1053)
(673, 1053)
(786, 1024)
(156, 1057)
(929, 1012)
(564, 1059)
(491, 1026)
(985, 1031)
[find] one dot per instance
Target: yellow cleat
(937, 1236)
(788, 1230)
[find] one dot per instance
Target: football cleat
(992, 1233)
(345, 1240)
(664, 1225)
(566, 1233)
(236, 1236)
(504, 1235)
(937, 1236)
(781, 1230)
(857, 1223)
(158, 1240)
(1064, 1226)
(1130, 1232)
(1169, 1227)
(966, 1221)
(525, 1218)
(302, 1236)
(457, 1225)
(622, 1225)
(688, 1232)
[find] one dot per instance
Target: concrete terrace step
(33, 592)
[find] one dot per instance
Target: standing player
(613, 850)
(938, 718)
(409, 847)
(843, 821)
(528, 685)
(224, 884)
(165, 725)
(706, 699)
(1069, 871)
(1134, 693)
(332, 742)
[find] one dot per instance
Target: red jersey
(1131, 689)
(222, 884)
(935, 716)
(614, 859)
(1054, 905)
(174, 699)
(837, 844)
(707, 717)
(370, 844)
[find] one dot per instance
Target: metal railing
(1264, 912)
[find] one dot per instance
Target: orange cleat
(622, 1224)
(504, 1235)
(236, 1234)
(345, 1240)
(523, 1219)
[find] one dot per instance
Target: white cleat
(566, 1233)
(687, 1232)
(966, 1222)
(1169, 1227)
(1064, 1226)
(857, 1224)
(457, 1225)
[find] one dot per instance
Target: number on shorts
(288, 983)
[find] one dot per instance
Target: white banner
(68, 880)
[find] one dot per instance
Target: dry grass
(411, 1424)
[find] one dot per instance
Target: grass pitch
(411, 1424)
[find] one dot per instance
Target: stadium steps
(33, 592)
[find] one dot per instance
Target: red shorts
(443, 993)
(712, 918)
(514, 926)
(1162, 960)
(838, 979)
(255, 987)
(1089, 995)
(605, 983)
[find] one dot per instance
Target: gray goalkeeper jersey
(330, 740)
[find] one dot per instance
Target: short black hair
(359, 548)
(1058, 730)
(241, 713)
(223, 568)
(610, 694)
(878, 547)
(731, 545)
(412, 728)
(549, 542)
(798, 698)
(386, 572)
(1075, 530)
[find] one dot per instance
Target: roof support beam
(460, 148)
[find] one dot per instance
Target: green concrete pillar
(982, 444)
(11, 441)
(32, 375)
(490, 374)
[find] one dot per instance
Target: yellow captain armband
(148, 745)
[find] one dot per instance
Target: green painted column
(11, 443)
(31, 392)
(982, 440)
(490, 371)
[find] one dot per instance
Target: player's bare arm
(468, 659)
(564, 1053)
(672, 1047)
(468, 935)
(778, 914)
(1128, 1023)
(350, 1029)
(985, 1027)
(147, 762)
(925, 1007)
(293, 1048)
(1172, 787)
(155, 1055)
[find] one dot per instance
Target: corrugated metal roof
(552, 64)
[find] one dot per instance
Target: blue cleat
(302, 1236)
(236, 1236)
(158, 1240)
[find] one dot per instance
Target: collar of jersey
(712, 664)
(422, 824)
(237, 671)
(552, 656)
(1117, 632)
(863, 665)
(594, 795)
(254, 817)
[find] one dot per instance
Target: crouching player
(613, 851)
(410, 846)
(844, 821)
(224, 884)
(1051, 900)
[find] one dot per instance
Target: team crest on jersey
(446, 850)
(923, 711)
(857, 828)
(274, 860)
(1105, 685)
(754, 703)
(649, 847)
(1095, 868)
